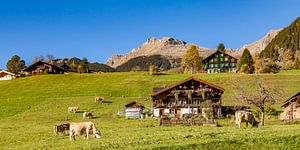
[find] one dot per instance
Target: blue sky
(97, 29)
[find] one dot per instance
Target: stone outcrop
(165, 47)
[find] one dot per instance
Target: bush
(270, 67)
(245, 69)
(271, 111)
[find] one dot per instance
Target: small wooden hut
(134, 110)
(5, 75)
(189, 96)
(291, 108)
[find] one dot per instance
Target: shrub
(270, 67)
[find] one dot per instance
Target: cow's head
(97, 134)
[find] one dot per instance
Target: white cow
(245, 116)
(83, 127)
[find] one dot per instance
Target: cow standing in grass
(99, 99)
(245, 116)
(87, 115)
(83, 127)
(72, 109)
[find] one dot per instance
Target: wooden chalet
(134, 110)
(291, 108)
(65, 67)
(189, 96)
(5, 75)
(43, 67)
(220, 62)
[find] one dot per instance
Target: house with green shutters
(220, 62)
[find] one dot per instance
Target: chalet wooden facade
(291, 108)
(134, 110)
(43, 67)
(220, 62)
(5, 75)
(189, 96)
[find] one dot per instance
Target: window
(221, 59)
(212, 60)
(221, 65)
(226, 58)
(226, 65)
(222, 55)
(216, 59)
(211, 65)
(216, 65)
(206, 66)
(232, 64)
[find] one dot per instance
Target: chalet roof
(291, 99)
(211, 55)
(134, 105)
(186, 80)
(33, 66)
(6, 72)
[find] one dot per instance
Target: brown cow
(83, 127)
(99, 99)
(61, 128)
(245, 116)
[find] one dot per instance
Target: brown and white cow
(83, 128)
(72, 109)
(99, 99)
(61, 128)
(87, 115)
(245, 116)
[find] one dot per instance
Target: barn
(5, 75)
(291, 108)
(134, 110)
(190, 96)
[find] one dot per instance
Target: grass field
(31, 106)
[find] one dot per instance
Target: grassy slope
(30, 106)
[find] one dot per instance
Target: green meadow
(31, 106)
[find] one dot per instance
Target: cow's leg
(87, 133)
(239, 124)
(246, 124)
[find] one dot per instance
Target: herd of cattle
(79, 128)
(88, 128)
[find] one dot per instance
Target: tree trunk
(262, 118)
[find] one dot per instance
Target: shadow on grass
(107, 102)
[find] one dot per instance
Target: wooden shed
(291, 108)
(134, 110)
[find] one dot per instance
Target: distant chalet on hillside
(43, 68)
(5, 75)
(220, 62)
(189, 96)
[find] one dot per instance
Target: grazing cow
(87, 115)
(245, 116)
(72, 109)
(61, 128)
(83, 127)
(99, 99)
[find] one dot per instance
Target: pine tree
(191, 60)
(248, 60)
(15, 64)
(221, 47)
